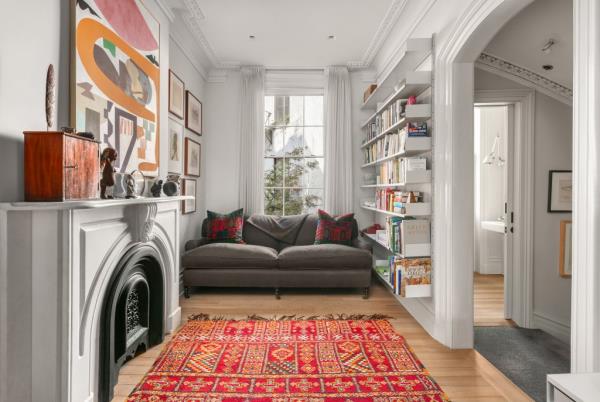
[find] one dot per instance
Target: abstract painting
(193, 113)
(115, 87)
(192, 158)
(175, 147)
(176, 95)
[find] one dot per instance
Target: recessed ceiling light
(331, 37)
(548, 67)
(252, 37)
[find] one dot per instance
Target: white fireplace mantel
(56, 260)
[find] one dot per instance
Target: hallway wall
(552, 148)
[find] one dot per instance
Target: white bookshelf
(404, 80)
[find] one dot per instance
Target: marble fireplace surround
(56, 260)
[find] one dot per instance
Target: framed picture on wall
(193, 113)
(189, 188)
(176, 95)
(192, 158)
(175, 153)
(560, 191)
(565, 269)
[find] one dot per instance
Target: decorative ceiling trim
(217, 76)
(525, 76)
(192, 18)
(383, 31)
(166, 9)
(189, 54)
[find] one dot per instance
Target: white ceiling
(291, 33)
(520, 41)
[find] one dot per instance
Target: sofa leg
(186, 292)
(277, 294)
(366, 293)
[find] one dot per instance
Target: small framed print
(193, 113)
(560, 191)
(189, 188)
(192, 158)
(175, 147)
(565, 267)
(176, 95)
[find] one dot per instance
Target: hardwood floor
(463, 374)
(488, 301)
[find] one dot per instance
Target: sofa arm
(192, 244)
(363, 244)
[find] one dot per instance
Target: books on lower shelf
(408, 236)
(398, 170)
(395, 201)
(410, 277)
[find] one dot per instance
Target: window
(293, 162)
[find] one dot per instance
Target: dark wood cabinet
(60, 167)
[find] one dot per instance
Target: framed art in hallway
(192, 158)
(176, 134)
(193, 113)
(560, 191)
(189, 188)
(176, 95)
(565, 269)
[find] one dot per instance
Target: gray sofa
(269, 260)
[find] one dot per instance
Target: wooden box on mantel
(60, 166)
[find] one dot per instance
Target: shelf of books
(397, 149)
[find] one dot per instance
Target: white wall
(553, 144)
(31, 36)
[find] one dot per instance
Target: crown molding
(217, 76)
(194, 60)
(524, 76)
(192, 18)
(166, 9)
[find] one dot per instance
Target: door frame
(519, 276)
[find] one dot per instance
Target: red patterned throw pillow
(334, 229)
(225, 228)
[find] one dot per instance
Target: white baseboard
(418, 309)
(555, 328)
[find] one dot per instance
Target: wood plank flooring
(488, 301)
(463, 374)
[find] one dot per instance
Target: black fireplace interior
(132, 314)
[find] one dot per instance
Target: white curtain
(251, 191)
(338, 142)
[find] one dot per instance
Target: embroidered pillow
(334, 229)
(225, 228)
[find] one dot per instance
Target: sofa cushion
(230, 255)
(225, 227)
(324, 256)
(334, 229)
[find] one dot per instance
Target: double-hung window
(293, 163)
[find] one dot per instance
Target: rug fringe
(256, 317)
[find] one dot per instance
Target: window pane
(273, 172)
(274, 141)
(313, 173)
(313, 200)
(281, 110)
(294, 203)
(314, 111)
(296, 111)
(294, 170)
(269, 110)
(313, 141)
(294, 141)
(273, 201)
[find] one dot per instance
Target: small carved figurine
(109, 155)
(156, 188)
(130, 186)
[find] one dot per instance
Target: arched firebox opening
(132, 314)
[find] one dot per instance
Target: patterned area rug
(313, 360)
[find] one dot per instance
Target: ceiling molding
(194, 60)
(524, 76)
(166, 9)
(383, 32)
(217, 76)
(192, 18)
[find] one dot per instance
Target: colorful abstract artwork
(116, 80)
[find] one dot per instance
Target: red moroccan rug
(317, 360)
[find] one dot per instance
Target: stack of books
(390, 116)
(394, 200)
(394, 171)
(410, 277)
